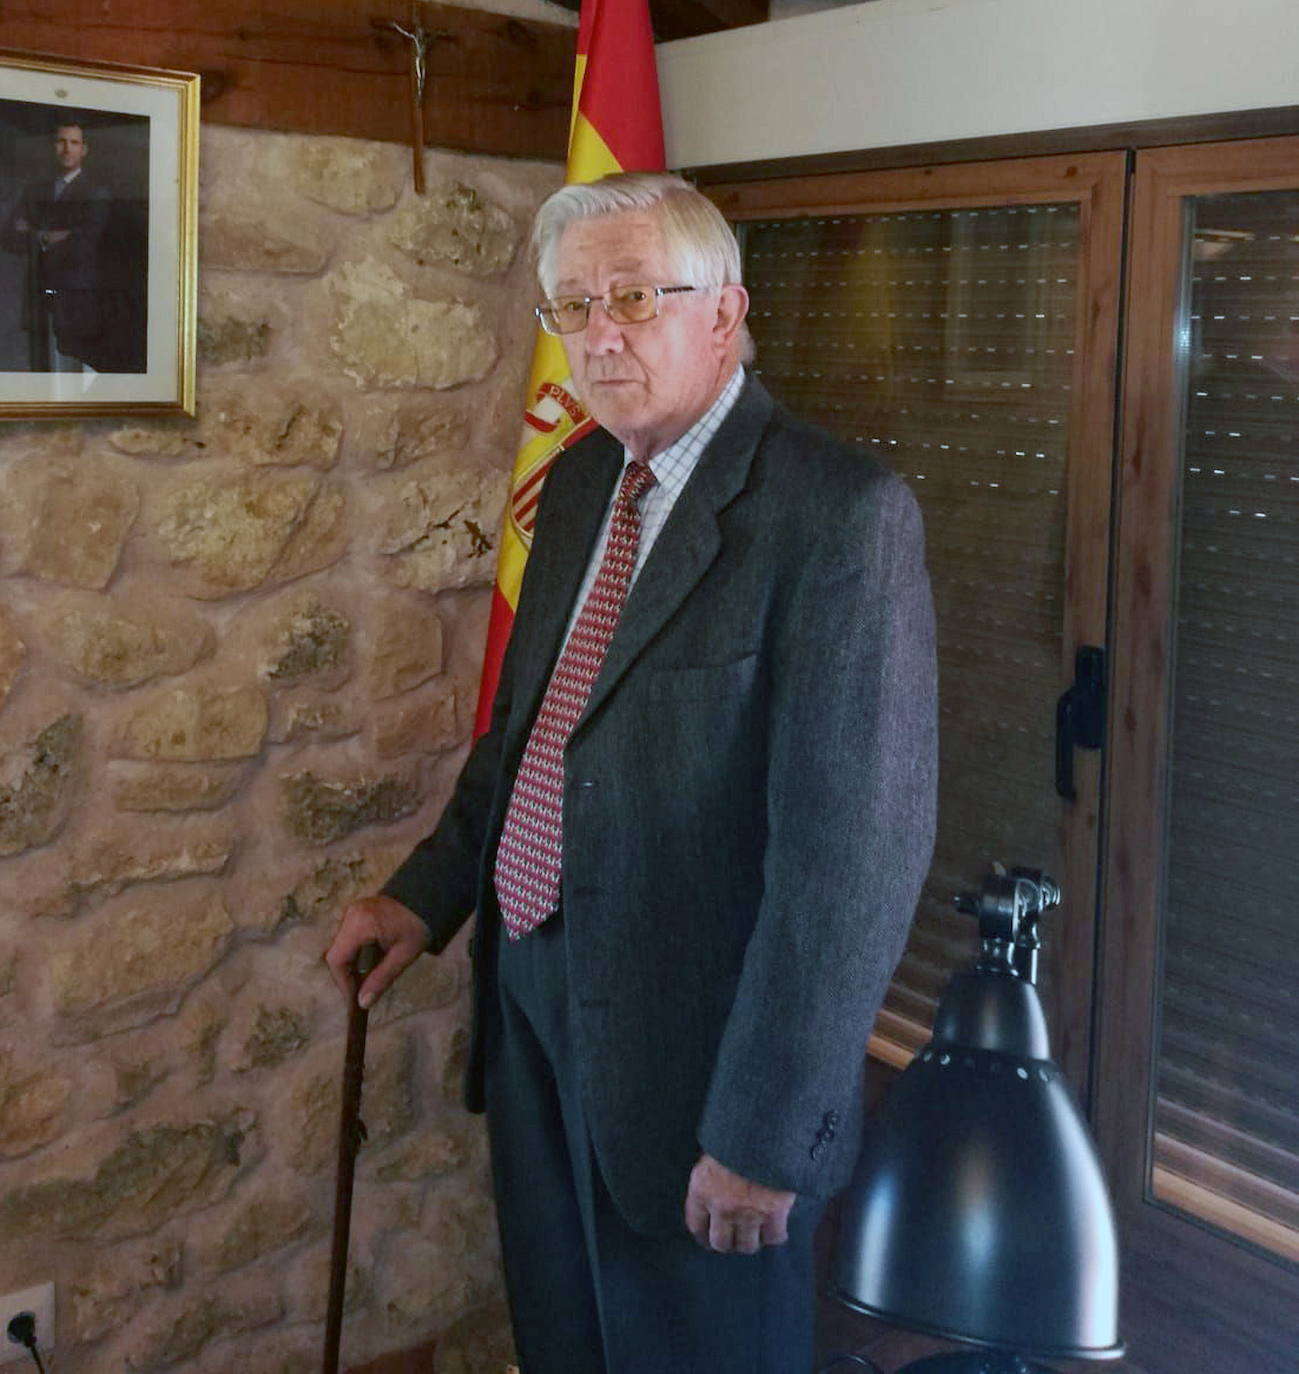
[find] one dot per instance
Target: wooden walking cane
(351, 1134)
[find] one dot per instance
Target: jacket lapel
(689, 542)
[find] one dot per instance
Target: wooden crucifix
(419, 38)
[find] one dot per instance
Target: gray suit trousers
(588, 1294)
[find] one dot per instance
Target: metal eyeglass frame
(547, 319)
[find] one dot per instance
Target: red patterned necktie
(529, 859)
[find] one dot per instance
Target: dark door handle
(1079, 716)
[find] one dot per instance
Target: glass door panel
(1226, 1116)
(1196, 1110)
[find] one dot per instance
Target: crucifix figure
(419, 39)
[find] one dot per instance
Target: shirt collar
(678, 460)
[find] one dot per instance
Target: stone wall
(238, 666)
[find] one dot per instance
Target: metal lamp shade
(978, 1211)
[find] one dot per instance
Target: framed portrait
(98, 251)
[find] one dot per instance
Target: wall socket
(40, 1302)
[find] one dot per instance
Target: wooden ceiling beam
(496, 84)
(687, 18)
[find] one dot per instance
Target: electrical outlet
(40, 1302)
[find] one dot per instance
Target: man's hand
(727, 1212)
(401, 935)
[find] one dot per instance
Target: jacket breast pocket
(704, 683)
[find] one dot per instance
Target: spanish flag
(616, 126)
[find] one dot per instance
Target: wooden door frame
(1096, 182)
(1158, 1237)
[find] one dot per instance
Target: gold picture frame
(98, 238)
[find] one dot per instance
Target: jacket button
(816, 1151)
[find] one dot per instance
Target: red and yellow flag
(616, 127)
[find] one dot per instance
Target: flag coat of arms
(616, 126)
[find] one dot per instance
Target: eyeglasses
(623, 305)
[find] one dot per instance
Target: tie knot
(637, 479)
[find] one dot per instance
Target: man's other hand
(726, 1212)
(401, 935)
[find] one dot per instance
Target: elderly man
(696, 830)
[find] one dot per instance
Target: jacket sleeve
(851, 814)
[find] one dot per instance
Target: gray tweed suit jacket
(749, 809)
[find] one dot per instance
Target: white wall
(915, 71)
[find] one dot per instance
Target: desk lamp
(978, 1212)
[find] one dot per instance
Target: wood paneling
(1150, 133)
(1191, 1296)
(686, 18)
(496, 84)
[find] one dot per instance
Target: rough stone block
(198, 1035)
(136, 957)
(231, 534)
(455, 1064)
(428, 1154)
(154, 439)
(324, 892)
(277, 1034)
(109, 862)
(480, 1342)
(426, 429)
(31, 1107)
(429, 983)
(38, 781)
(196, 725)
(322, 810)
(386, 336)
(405, 646)
(347, 175)
(12, 652)
(305, 638)
(313, 1098)
(152, 1175)
(180, 1330)
(121, 643)
(250, 243)
(321, 538)
(135, 1077)
(457, 226)
(269, 424)
(173, 786)
(308, 714)
(68, 521)
(108, 1294)
(311, 1285)
(292, 1351)
(268, 1221)
(418, 1287)
(234, 330)
(441, 530)
(425, 725)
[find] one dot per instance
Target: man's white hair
(700, 244)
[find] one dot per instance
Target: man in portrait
(59, 223)
(696, 830)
